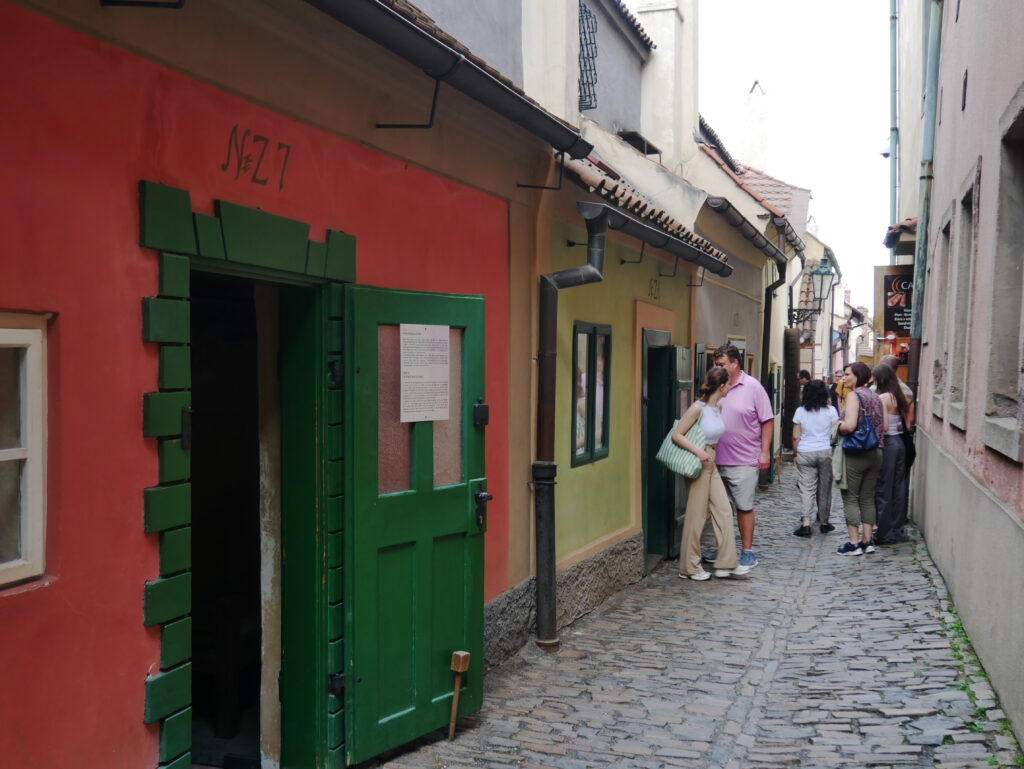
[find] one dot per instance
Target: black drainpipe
(545, 468)
(769, 293)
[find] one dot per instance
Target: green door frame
(252, 244)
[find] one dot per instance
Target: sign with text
(898, 294)
(426, 372)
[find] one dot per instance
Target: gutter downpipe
(894, 129)
(545, 468)
(769, 293)
(927, 156)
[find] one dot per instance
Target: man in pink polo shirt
(745, 448)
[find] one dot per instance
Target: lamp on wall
(821, 284)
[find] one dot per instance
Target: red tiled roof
(635, 24)
(617, 191)
(778, 193)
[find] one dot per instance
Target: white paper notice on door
(425, 372)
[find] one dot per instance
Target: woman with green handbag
(706, 493)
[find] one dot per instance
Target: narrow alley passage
(812, 660)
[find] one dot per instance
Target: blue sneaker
(850, 549)
(747, 562)
(711, 557)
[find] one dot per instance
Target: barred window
(588, 58)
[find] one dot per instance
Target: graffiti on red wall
(247, 157)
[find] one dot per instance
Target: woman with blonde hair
(706, 493)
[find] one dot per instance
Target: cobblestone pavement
(811, 660)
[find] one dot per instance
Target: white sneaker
(722, 573)
(700, 576)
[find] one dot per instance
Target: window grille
(588, 58)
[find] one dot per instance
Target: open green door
(415, 515)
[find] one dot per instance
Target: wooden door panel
(416, 554)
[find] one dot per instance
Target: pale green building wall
(596, 500)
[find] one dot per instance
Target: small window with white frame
(22, 447)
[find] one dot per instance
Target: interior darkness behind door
(225, 523)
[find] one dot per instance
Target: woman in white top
(812, 455)
(706, 492)
(891, 491)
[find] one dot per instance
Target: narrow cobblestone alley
(813, 660)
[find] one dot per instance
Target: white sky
(824, 65)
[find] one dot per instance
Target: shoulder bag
(676, 458)
(864, 438)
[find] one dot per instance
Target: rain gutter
(927, 156)
(724, 208)
(382, 24)
(894, 131)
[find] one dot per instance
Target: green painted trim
(333, 703)
(335, 549)
(335, 336)
(175, 367)
(161, 413)
(182, 762)
(175, 550)
(341, 256)
(165, 320)
(335, 730)
(209, 236)
(262, 239)
(166, 599)
(335, 441)
(336, 758)
(176, 735)
(168, 692)
(165, 507)
(174, 276)
(175, 642)
(336, 656)
(335, 478)
(335, 513)
(335, 585)
(165, 219)
(316, 259)
(335, 621)
(335, 300)
(174, 461)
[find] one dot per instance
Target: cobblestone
(812, 660)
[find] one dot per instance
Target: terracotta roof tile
(635, 23)
(622, 194)
(895, 230)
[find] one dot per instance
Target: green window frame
(589, 420)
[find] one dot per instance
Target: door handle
(482, 498)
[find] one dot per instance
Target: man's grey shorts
(741, 483)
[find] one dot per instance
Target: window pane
(394, 438)
(581, 394)
(448, 434)
(600, 353)
(10, 396)
(10, 510)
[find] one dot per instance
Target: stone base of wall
(510, 619)
(977, 543)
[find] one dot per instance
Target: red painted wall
(83, 123)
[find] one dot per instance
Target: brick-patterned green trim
(168, 692)
(176, 643)
(165, 219)
(175, 367)
(175, 550)
(335, 729)
(174, 461)
(176, 735)
(209, 237)
(341, 257)
(161, 412)
(165, 320)
(165, 507)
(167, 599)
(260, 241)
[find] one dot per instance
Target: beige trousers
(706, 494)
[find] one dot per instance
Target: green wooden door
(682, 397)
(414, 542)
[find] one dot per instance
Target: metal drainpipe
(769, 292)
(894, 128)
(927, 155)
(545, 468)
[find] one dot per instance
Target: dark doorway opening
(657, 417)
(225, 524)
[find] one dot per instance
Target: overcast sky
(824, 68)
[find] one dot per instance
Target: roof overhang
(731, 214)
(654, 237)
(382, 24)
